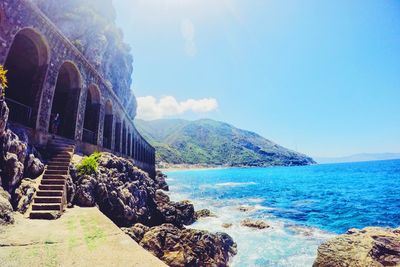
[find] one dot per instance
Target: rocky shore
(140, 206)
(372, 246)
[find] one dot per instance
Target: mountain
(360, 157)
(210, 142)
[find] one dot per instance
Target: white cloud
(149, 108)
(188, 34)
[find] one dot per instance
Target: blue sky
(321, 77)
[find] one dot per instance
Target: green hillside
(211, 142)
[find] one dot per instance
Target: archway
(108, 122)
(66, 99)
(26, 63)
(124, 139)
(117, 144)
(92, 115)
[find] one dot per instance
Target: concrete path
(81, 237)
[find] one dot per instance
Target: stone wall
(18, 16)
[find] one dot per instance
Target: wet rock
(24, 194)
(246, 208)
(227, 225)
(258, 224)
(372, 246)
(6, 209)
(204, 213)
(188, 247)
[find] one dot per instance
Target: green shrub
(89, 164)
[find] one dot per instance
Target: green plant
(89, 164)
(3, 79)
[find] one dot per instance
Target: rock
(137, 231)
(246, 208)
(4, 111)
(177, 213)
(86, 191)
(24, 194)
(128, 195)
(204, 213)
(12, 172)
(13, 155)
(227, 225)
(6, 209)
(258, 224)
(372, 246)
(160, 181)
(33, 167)
(71, 191)
(188, 247)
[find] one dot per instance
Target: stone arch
(124, 138)
(27, 61)
(117, 139)
(92, 115)
(108, 123)
(66, 99)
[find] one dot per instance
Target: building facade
(48, 75)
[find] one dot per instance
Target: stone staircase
(51, 197)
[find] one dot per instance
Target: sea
(304, 206)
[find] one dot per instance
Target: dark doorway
(66, 100)
(117, 147)
(124, 139)
(108, 122)
(27, 65)
(92, 114)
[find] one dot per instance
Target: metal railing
(19, 112)
(89, 136)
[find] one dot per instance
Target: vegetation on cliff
(214, 143)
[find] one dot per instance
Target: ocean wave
(234, 184)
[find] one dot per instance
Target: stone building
(48, 75)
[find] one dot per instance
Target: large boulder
(6, 209)
(33, 166)
(371, 246)
(185, 247)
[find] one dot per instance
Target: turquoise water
(304, 205)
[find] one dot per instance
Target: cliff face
(90, 25)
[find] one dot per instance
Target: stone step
(61, 172)
(56, 157)
(54, 206)
(62, 153)
(54, 177)
(57, 168)
(51, 187)
(47, 200)
(44, 215)
(49, 193)
(53, 182)
(60, 162)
